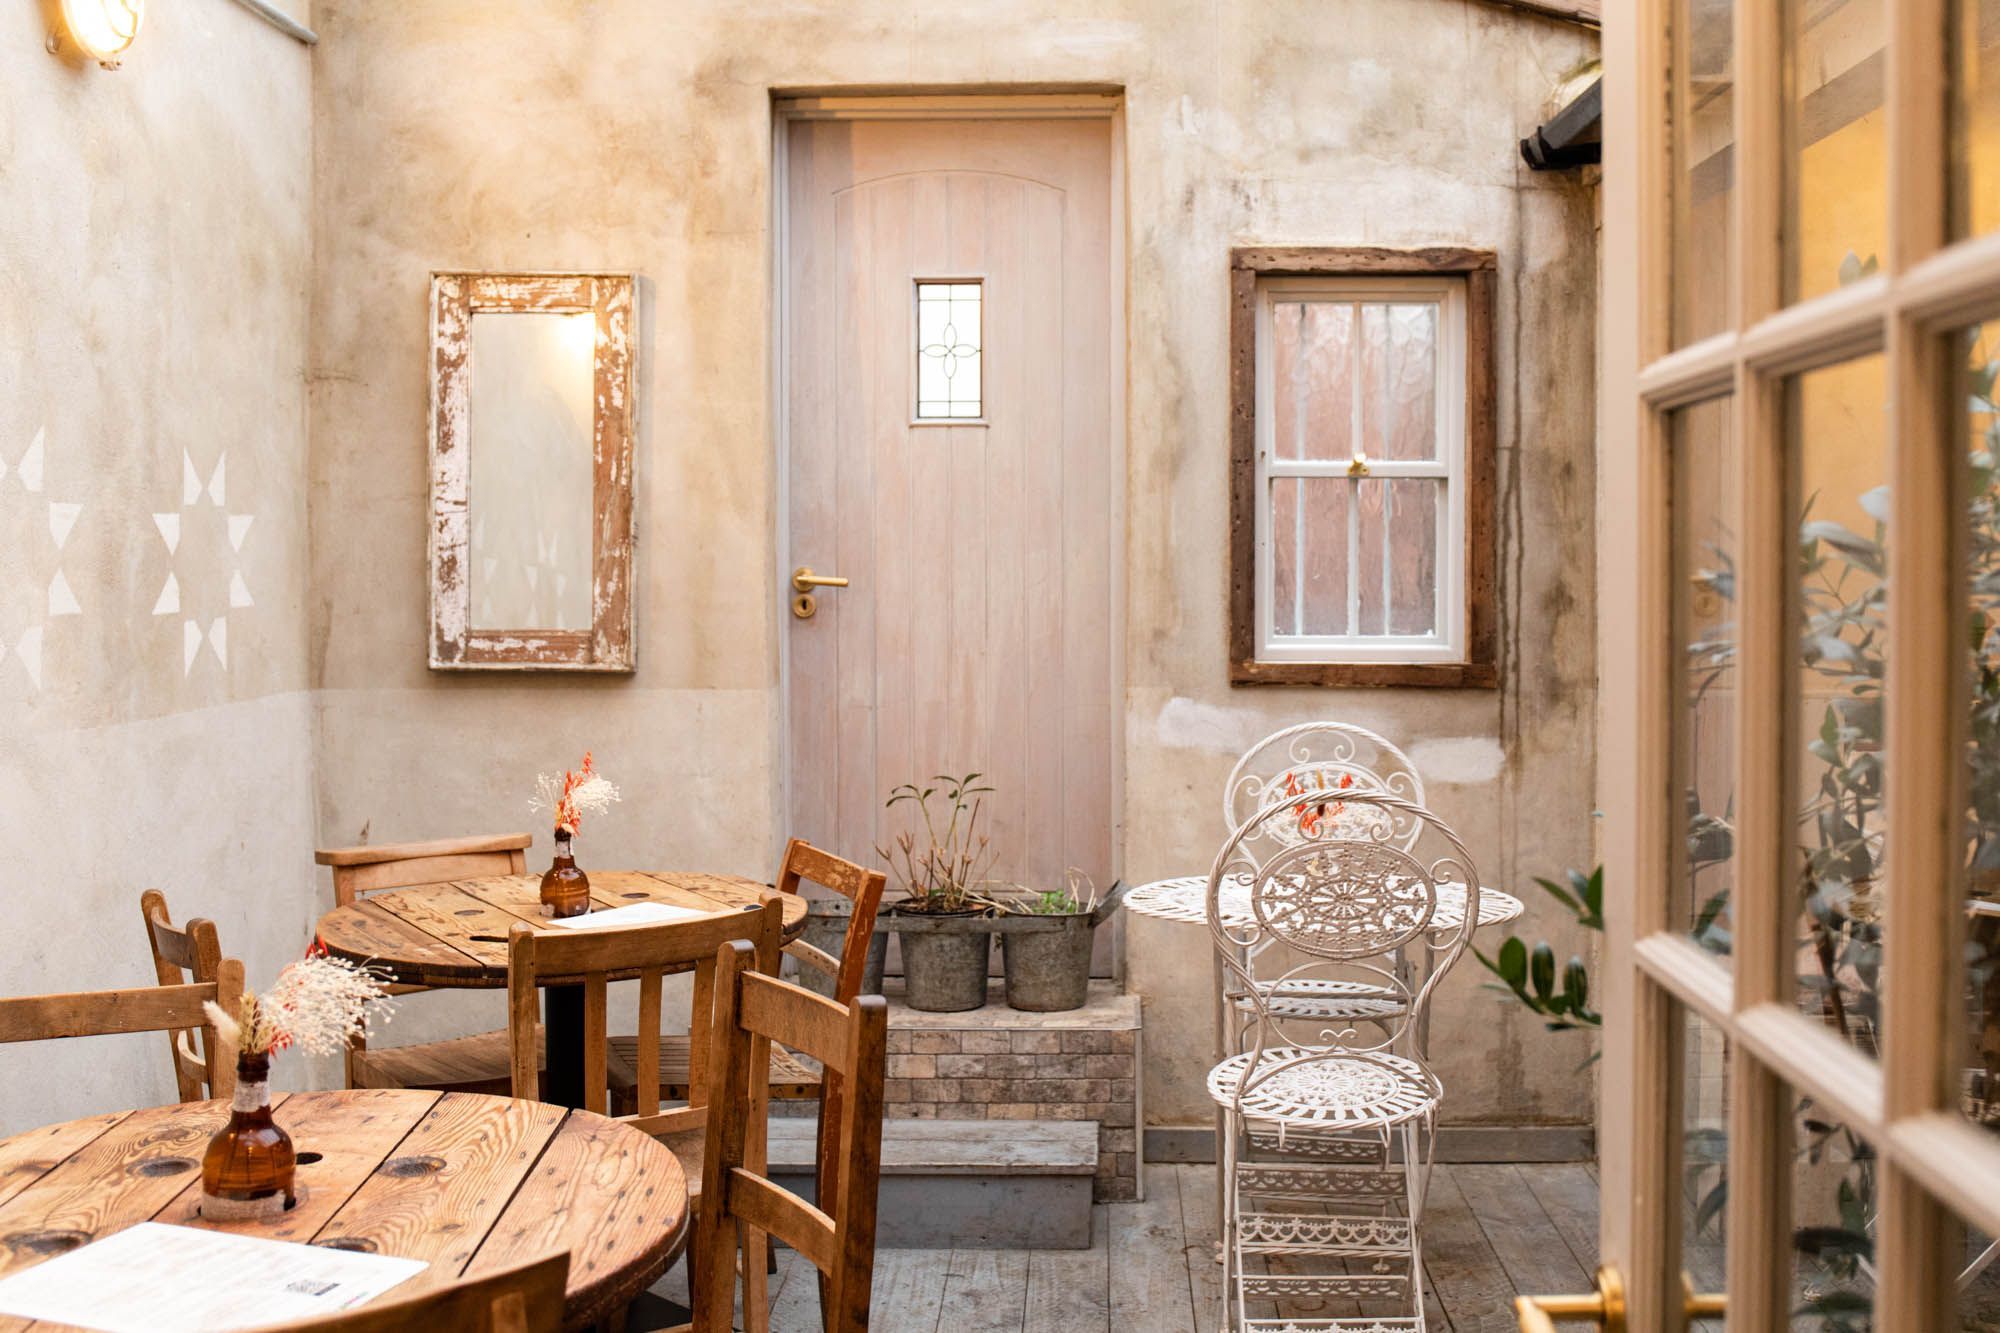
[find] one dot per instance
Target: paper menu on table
(157, 1278)
(638, 914)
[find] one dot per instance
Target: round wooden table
(468, 1184)
(455, 935)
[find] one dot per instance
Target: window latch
(1358, 467)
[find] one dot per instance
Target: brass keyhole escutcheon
(805, 606)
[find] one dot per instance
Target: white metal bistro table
(1184, 898)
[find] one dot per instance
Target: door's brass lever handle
(804, 580)
(1702, 1304)
(1604, 1307)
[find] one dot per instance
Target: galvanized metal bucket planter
(1046, 958)
(826, 930)
(944, 959)
(1048, 969)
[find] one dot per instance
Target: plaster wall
(154, 724)
(634, 136)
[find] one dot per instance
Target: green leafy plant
(945, 873)
(1077, 896)
(1529, 974)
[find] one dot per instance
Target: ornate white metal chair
(1316, 766)
(1334, 903)
(1317, 762)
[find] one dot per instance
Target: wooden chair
(168, 1008)
(756, 1011)
(477, 1063)
(646, 953)
(182, 954)
(790, 1078)
(527, 1299)
(593, 958)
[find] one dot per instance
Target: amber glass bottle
(565, 889)
(249, 1167)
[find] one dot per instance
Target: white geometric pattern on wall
(172, 528)
(29, 474)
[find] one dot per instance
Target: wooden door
(1801, 648)
(952, 382)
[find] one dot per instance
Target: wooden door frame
(1033, 102)
(1932, 1163)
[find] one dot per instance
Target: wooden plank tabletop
(455, 934)
(467, 1183)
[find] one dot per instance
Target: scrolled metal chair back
(1340, 900)
(1317, 765)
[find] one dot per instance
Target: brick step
(979, 1184)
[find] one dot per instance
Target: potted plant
(1045, 945)
(941, 918)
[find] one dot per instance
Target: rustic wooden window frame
(455, 644)
(1248, 266)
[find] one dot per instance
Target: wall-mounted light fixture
(103, 28)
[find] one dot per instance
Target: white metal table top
(1184, 898)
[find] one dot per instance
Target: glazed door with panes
(1800, 582)
(951, 412)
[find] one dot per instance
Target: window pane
(1399, 380)
(1707, 517)
(948, 349)
(1385, 531)
(1836, 163)
(1837, 435)
(1704, 167)
(1413, 509)
(1975, 1257)
(1313, 369)
(1704, 1160)
(1981, 986)
(1834, 1205)
(1975, 160)
(1309, 555)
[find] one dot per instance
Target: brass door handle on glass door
(1604, 1307)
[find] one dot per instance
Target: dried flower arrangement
(1310, 811)
(317, 1004)
(572, 794)
(947, 875)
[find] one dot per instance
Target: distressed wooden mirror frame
(456, 645)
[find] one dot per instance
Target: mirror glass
(529, 492)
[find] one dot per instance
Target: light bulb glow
(104, 28)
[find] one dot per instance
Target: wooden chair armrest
(819, 959)
(409, 851)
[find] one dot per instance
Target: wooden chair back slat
(144, 1009)
(859, 885)
(810, 1023)
(527, 1299)
(402, 865)
(182, 954)
(589, 958)
(756, 1202)
(751, 1011)
(863, 888)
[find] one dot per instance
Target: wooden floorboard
(1069, 1291)
(1152, 1264)
(985, 1291)
(1471, 1284)
(1533, 1252)
(1149, 1260)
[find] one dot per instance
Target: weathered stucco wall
(630, 135)
(154, 726)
